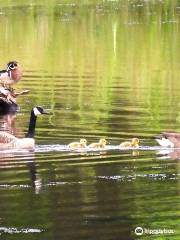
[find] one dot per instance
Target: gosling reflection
(135, 153)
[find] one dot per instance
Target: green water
(103, 69)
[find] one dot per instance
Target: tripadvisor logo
(139, 231)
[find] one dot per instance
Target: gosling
(101, 144)
(133, 144)
(81, 144)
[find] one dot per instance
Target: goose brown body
(9, 141)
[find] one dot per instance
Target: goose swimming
(8, 141)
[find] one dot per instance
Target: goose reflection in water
(8, 125)
(22, 158)
(35, 177)
(169, 153)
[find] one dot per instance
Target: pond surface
(104, 69)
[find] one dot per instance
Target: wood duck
(11, 75)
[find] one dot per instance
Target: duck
(101, 144)
(134, 143)
(9, 141)
(81, 144)
(169, 139)
(11, 75)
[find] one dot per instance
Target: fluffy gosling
(81, 144)
(134, 143)
(101, 144)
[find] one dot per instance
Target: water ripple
(13, 230)
(154, 176)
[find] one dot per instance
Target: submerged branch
(9, 95)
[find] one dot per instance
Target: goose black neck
(32, 125)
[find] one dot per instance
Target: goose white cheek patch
(164, 142)
(36, 111)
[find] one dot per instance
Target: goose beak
(45, 112)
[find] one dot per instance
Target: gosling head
(39, 110)
(83, 141)
(135, 141)
(103, 141)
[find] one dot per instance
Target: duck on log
(9, 77)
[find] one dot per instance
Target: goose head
(39, 110)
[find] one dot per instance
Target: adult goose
(8, 141)
(169, 139)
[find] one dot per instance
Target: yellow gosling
(81, 144)
(101, 144)
(134, 143)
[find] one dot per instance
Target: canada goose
(134, 143)
(8, 141)
(11, 75)
(169, 139)
(81, 144)
(101, 144)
